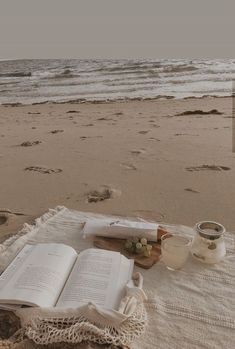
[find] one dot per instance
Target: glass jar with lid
(208, 244)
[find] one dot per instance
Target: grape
(144, 241)
(138, 246)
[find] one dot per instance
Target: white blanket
(190, 308)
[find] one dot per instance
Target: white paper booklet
(54, 275)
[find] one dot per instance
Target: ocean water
(59, 80)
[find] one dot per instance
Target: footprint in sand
(143, 132)
(43, 170)
(185, 134)
(72, 111)
(56, 131)
(154, 139)
(30, 144)
(102, 194)
(118, 113)
(208, 167)
(191, 190)
(3, 218)
(128, 166)
(104, 119)
(138, 151)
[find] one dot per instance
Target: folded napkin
(120, 229)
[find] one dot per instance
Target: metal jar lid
(210, 230)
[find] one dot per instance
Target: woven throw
(190, 308)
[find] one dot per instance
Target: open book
(54, 275)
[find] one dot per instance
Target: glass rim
(187, 240)
(216, 230)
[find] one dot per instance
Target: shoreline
(106, 101)
(137, 158)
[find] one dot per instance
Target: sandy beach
(167, 160)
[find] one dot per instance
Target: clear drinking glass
(175, 250)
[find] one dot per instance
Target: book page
(15, 265)
(125, 274)
(39, 276)
(96, 277)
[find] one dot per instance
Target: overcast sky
(116, 28)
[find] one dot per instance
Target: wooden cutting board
(118, 245)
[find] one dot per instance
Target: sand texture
(167, 160)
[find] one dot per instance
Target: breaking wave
(38, 81)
